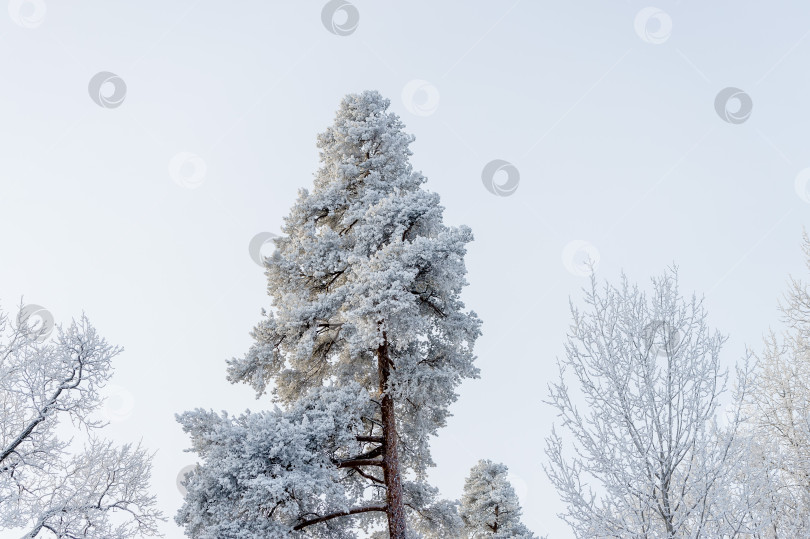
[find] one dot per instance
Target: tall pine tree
(362, 351)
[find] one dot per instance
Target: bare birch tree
(100, 492)
(779, 407)
(649, 458)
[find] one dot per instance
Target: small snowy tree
(100, 492)
(650, 459)
(364, 348)
(489, 505)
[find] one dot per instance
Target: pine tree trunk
(391, 475)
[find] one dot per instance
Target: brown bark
(391, 474)
(395, 506)
(370, 439)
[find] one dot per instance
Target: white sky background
(616, 140)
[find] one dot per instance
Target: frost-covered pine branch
(45, 487)
(363, 350)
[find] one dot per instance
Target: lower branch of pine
(352, 511)
(360, 462)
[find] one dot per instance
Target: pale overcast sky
(134, 195)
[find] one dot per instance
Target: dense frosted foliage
(489, 506)
(365, 287)
(277, 464)
(46, 486)
(650, 459)
(366, 253)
